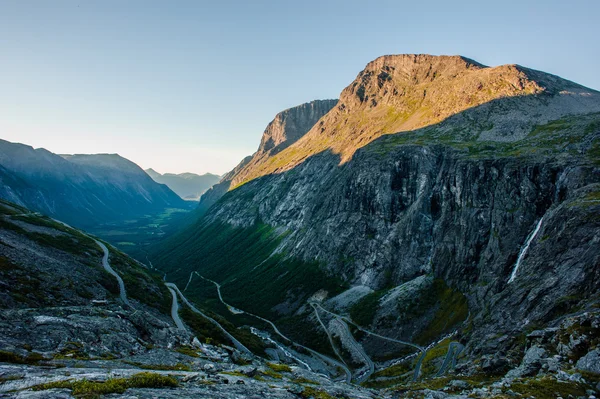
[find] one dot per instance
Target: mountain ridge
(81, 189)
(286, 128)
(187, 185)
(398, 93)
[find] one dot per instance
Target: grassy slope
(253, 278)
(572, 136)
(141, 284)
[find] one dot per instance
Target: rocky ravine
(431, 221)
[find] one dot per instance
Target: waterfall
(524, 250)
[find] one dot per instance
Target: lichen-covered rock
(590, 362)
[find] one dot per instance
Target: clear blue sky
(190, 85)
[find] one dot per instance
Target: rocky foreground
(66, 335)
(201, 370)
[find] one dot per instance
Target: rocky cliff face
(401, 93)
(84, 190)
(284, 130)
(291, 124)
(431, 184)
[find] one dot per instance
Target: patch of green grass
(272, 374)
(72, 353)
(393, 371)
(243, 261)
(203, 328)
(547, 388)
(178, 366)
(186, 350)
(592, 127)
(10, 378)
(594, 152)
(10, 357)
(428, 366)
(310, 392)
(560, 137)
(363, 311)
(279, 367)
(8, 208)
(78, 245)
(452, 310)
(93, 389)
(234, 373)
(302, 380)
(592, 196)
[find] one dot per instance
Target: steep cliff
(401, 93)
(284, 130)
(431, 184)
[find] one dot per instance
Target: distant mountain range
(83, 190)
(189, 186)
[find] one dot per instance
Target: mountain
(188, 186)
(284, 130)
(81, 319)
(83, 190)
(442, 204)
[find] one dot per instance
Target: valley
(429, 228)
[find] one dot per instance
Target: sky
(189, 86)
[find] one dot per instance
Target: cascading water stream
(524, 250)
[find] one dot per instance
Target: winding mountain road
(239, 346)
(417, 371)
(105, 262)
(423, 351)
(358, 348)
(335, 349)
(347, 320)
(175, 310)
(106, 265)
(454, 349)
(325, 358)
